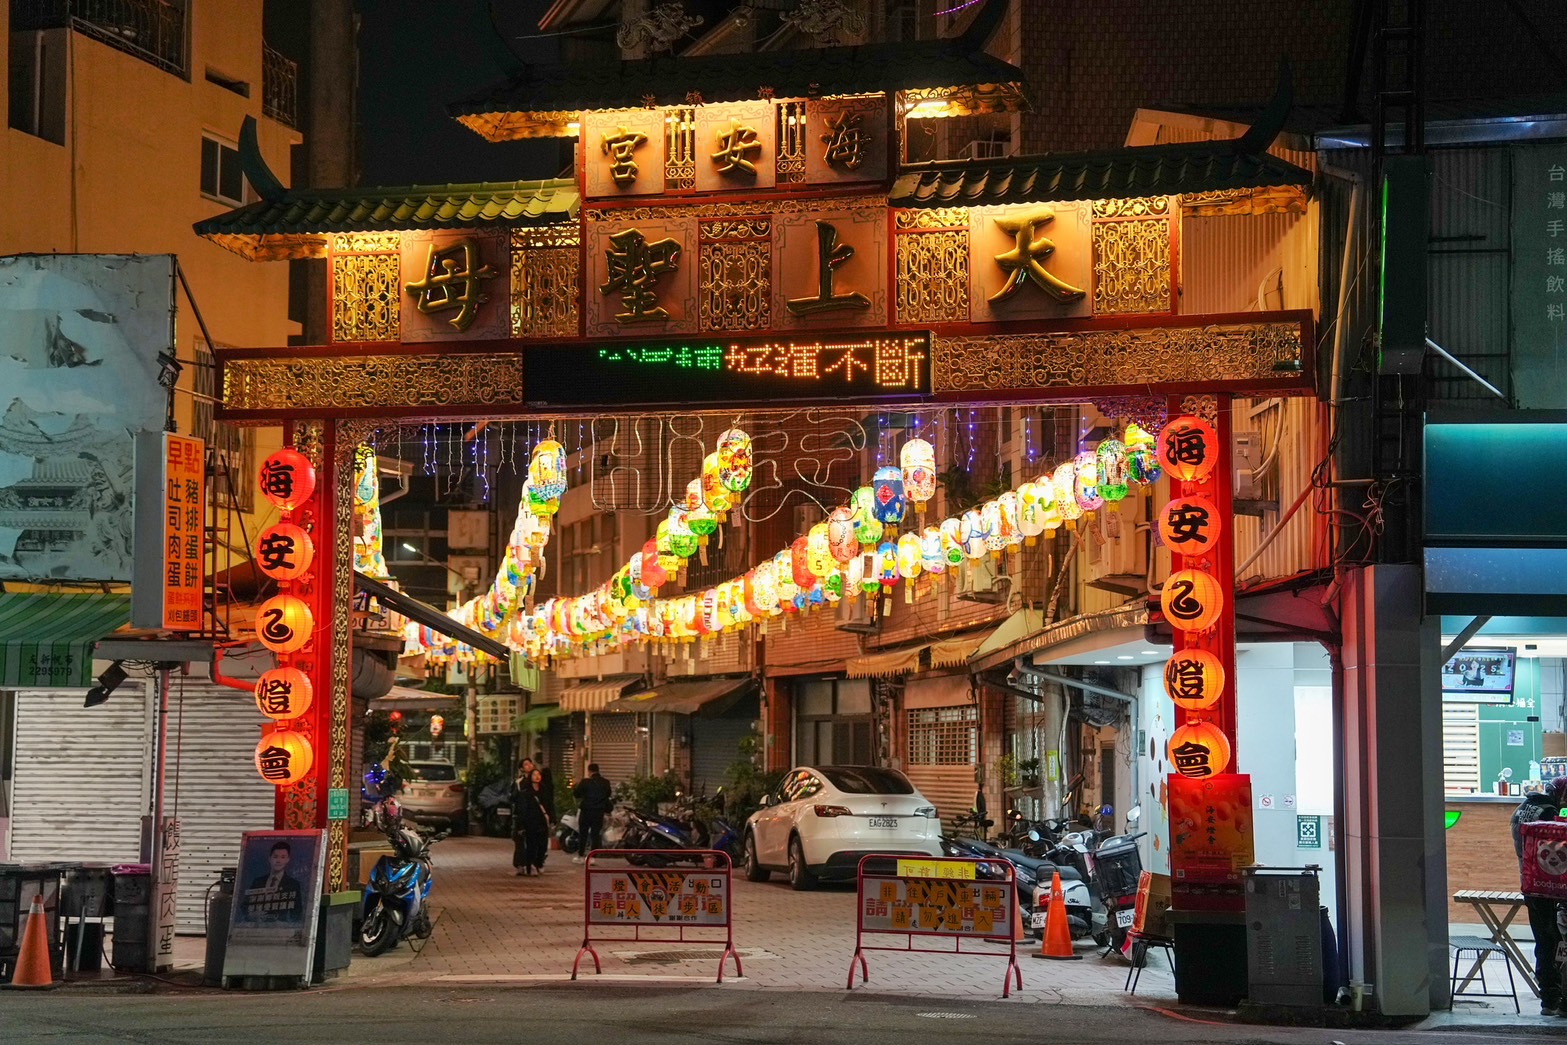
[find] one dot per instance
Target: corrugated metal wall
(1468, 276)
(1248, 263)
(1293, 442)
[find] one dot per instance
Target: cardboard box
(1153, 905)
(1545, 858)
(1553, 745)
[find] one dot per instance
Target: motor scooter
(1034, 878)
(570, 834)
(396, 900)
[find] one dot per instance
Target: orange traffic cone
(1057, 940)
(32, 960)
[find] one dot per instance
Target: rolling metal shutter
(715, 744)
(212, 785)
(613, 739)
(81, 777)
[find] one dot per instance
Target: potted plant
(1028, 772)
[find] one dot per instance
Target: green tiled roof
(954, 62)
(296, 223)
(1147, 170)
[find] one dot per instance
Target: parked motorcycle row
(693, 824)
(1099, 871)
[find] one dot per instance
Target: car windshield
(867, 780)
(433, 770)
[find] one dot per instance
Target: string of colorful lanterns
(856, 550)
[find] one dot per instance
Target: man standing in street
(549, 784)
(593, 799)
(1543, 805)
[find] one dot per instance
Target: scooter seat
(1042, 868)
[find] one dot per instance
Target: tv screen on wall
(1483, 675)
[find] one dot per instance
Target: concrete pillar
(1396, 936)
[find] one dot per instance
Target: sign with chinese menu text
(171, 525)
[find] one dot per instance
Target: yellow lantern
(1189, 526)
(1189, 449)
(715, 495)
(287, 478)
(1194, 679)
(284, 757)
(284, 623)
(284, 551)
(547, 470)
(818, 550)
(1199, 749)
(283, 693)
(1065, 483)
(1192, 600)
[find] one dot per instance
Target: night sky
(417, 56)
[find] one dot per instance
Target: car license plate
(1124, 917)
(884, 821)
(1037, 919)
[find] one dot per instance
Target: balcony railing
(279, 86)
(156, 31)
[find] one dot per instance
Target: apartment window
(944, 736)
(222, 178)
(37, 84)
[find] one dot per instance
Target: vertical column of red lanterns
(285, 623)
(1196, 525)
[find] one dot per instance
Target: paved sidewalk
(494, 929)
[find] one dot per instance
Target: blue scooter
(396, 904)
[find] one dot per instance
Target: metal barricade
(652, 902)
(936, 899)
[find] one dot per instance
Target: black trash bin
(132, 917)
(84, 904)
(335, 935)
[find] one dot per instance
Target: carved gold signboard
(1030, 262)
(455, 285)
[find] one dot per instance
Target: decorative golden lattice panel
(932, 282)
(546, 273)
(735, 284)
(391, 382)
(1131, 266)
(366, 297)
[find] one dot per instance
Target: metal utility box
(1283, 936)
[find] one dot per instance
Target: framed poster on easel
(277, 892)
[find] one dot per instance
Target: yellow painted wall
(127, 179)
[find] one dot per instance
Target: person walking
(1543, 910)
(536, 821)
(549, 784)
(593, 795)
(520, 786)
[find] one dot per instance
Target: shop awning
(686, 698)
(406, 698)
(900, 661)
(594, 695)
(46, 639)
(1015, 628)
(949, 653)
(537, 720)
(1065, 638)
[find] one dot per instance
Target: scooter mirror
(1033, 836)
(1134, 814)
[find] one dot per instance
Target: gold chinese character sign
(455, 285)
(635, 267)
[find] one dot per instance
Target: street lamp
(462, 582)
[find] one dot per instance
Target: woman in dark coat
(533, 821)
(519, 795)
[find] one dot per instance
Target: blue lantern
(888, 500)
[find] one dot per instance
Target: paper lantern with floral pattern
(1192, 600)
(1065, 482)
(888, 501)
(287, 479)
(1111, 465)
(1194, 679)
(718, 499)
(734, 460)
(283, 757)
(918, 460)
(1142, 456)
(1199, 749)
(1189, 449)
(1085, 485)
(547, 469)
(842, 541)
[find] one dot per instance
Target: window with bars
(233, 448)
(944, 736)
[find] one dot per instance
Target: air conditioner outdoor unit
(1119, 563)
(983, 580)
(858, 615)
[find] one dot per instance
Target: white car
(821, 820)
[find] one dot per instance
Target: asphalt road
(609, 1014)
